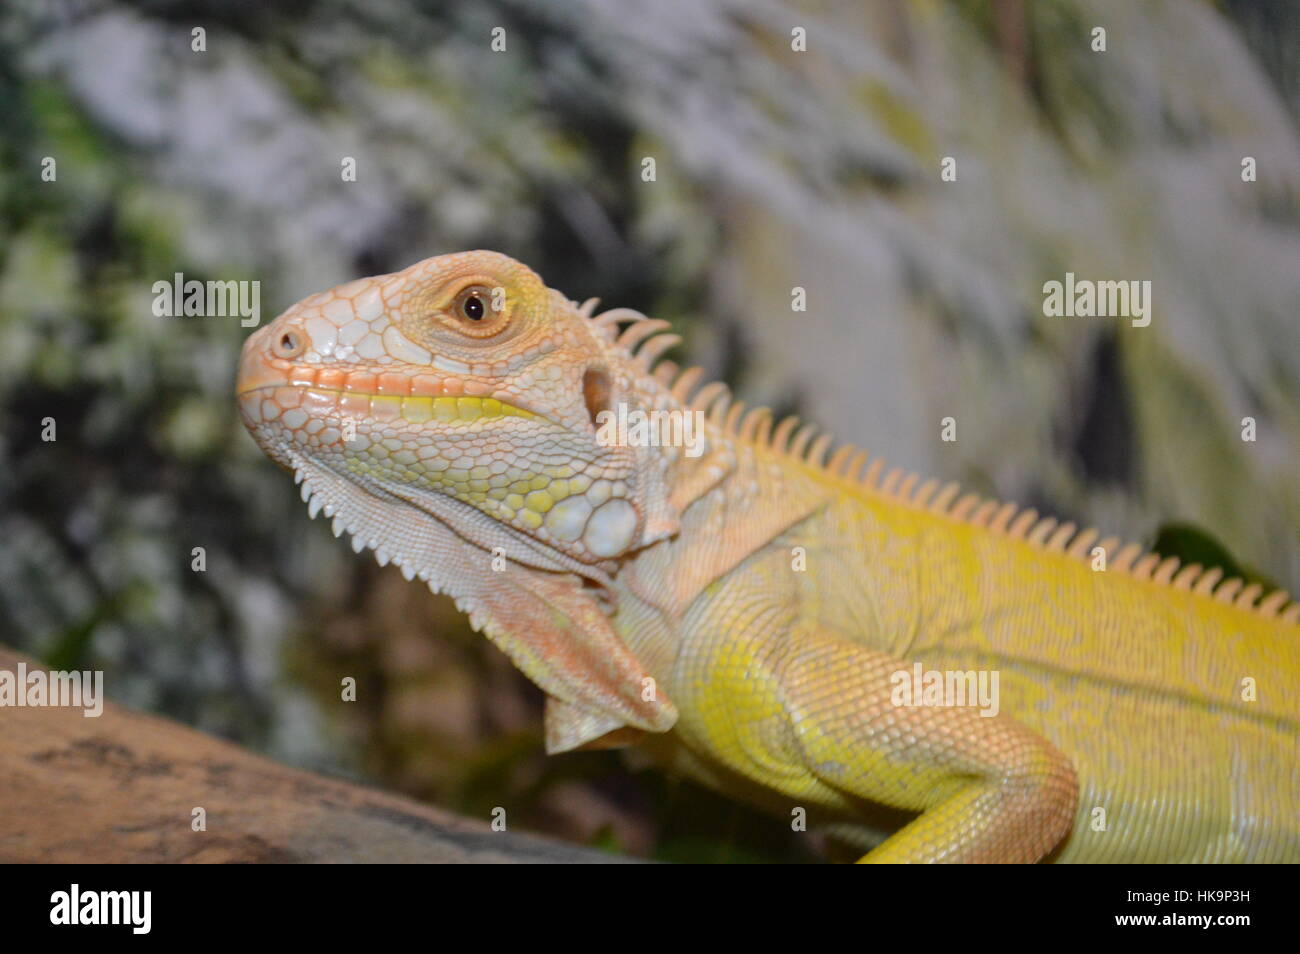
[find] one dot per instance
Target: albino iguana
(756, 617)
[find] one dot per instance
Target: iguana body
(744, 613)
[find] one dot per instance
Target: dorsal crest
(646, 339)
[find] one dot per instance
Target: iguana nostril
(289, 345)
(596, 393)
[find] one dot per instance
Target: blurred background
(775, 168)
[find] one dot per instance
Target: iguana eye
(479, 310)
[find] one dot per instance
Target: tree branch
(123, 788)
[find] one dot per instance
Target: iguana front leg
(818, 715)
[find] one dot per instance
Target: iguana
(748, 610)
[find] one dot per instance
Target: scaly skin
(740, 613)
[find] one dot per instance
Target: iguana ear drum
(596, 392)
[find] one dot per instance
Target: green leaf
(1191, 545)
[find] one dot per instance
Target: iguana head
(462, 378)
(445, 416)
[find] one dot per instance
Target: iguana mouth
(268, 388)
(269, 401)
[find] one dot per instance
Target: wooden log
(123, 788)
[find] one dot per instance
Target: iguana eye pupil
(473, 308)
